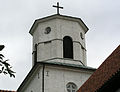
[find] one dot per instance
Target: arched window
(67, 47)
(71, 87)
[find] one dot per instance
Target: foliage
(5, 67)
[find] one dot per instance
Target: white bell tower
(59, 38)
(59, 55)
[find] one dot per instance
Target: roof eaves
(79, 20)
(27, 77)
(60, 17)
(69, 65)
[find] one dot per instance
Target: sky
(17, 16)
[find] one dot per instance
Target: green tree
(5, 67)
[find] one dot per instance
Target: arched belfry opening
(67, 47)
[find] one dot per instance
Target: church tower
(59, 38)
(59, 55)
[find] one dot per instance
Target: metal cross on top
(58, 7)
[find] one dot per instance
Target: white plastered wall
(56, 79)
(59, 77)
(34, 84)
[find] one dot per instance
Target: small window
(71, 87)
(81, 35)
(47, 30)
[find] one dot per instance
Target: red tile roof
(106, 70)
(6, 91)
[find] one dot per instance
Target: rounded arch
(67, 47)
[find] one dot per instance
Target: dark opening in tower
(67, 47)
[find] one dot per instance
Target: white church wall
(56, 78)
(39, 31)
(50, 50)
(85, 56)
(73, 29)
(78, 55)
(34, 84)
(70, 28)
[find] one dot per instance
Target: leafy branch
(5, 67)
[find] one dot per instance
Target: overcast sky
(17, 16)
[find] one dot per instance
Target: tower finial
(58, 7)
